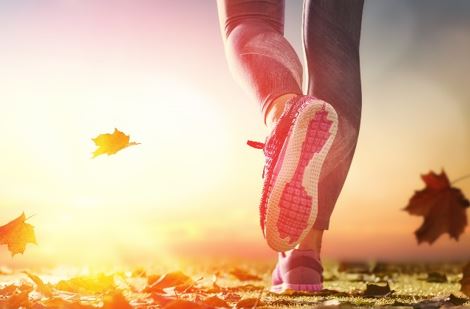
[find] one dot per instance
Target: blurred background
(73, 69)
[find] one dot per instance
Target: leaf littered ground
(217, 285)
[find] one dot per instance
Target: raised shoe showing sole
(292, 201)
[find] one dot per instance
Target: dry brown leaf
(111, 143)
(16, 234)
(442, 206)
(373, 290)
(456, 301)
(436, 277)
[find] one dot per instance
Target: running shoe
(295, 151)
(300, 270)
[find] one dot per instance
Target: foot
(300, 270)
(295, 151)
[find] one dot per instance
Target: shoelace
(254, 144)
(257, 145)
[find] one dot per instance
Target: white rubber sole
(299, 180)
(286, 288)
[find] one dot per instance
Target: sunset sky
(72, 69)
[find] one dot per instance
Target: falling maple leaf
(16, 234)
(442, 206)
(111, 143)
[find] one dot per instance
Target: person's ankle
(312, 242)
(276, 109)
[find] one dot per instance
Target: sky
(73, 69)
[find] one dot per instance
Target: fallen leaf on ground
(232, 297)
(433, 303)
(373, 290)
(93, 284)
(183, 304)
(456, 301)
(41, 286)
(8, 290)
(16, 234)
(152, 279)
(116, 301)
(436, 277)
(214, 301)
(59, 303)
(161, 299)
(442, 206)
(111, 143)
(250, 303)
(465, 282)
(19, 300)
(244, 275)
(170, 280)
(215, 287)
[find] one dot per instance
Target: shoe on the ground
(299, 270)
(295, 151)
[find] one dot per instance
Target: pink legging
(266, 65)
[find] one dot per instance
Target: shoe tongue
(282, 126)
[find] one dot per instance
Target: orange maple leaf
(16, 234)
(111, 143)
(442, 206)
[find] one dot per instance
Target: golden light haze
(191, 189)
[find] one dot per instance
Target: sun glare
(99, 203)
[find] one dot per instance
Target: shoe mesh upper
(272, 149)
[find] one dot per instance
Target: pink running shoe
(301, 270)
(295, 151)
